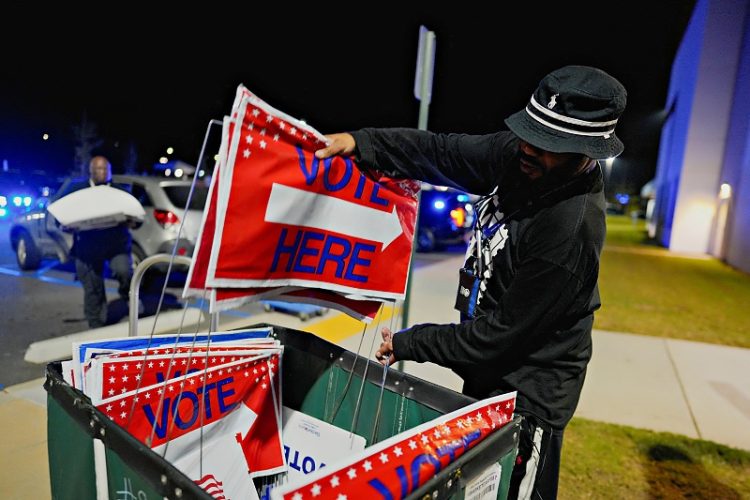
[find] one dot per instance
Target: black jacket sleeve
(540, 295)
(472, 163)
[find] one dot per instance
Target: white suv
(35, 235)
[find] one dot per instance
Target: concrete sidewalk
(690, 388)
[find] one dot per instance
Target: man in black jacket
(528, 291)
(92, 248)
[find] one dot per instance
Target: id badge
(468, 290)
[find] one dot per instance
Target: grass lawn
(612, 461)
(646, 290)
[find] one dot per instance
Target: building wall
(678, 108)
(709, 123)
(705, 139)
(736, 167)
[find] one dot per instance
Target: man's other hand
(384, 354)
(340, 144)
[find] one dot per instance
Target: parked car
(446, 217)
(36, 235)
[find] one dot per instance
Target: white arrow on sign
(297, 207)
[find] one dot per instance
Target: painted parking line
(201, 304)
(341, 326)
(43, 270)
(46, 279)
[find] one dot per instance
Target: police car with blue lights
(22, 192)
(446, 217)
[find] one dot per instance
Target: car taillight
(166, 218)
(459, 216)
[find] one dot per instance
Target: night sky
(150, 84)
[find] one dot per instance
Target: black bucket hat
(573, 110)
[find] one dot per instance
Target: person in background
(528, 290)
(93, 248)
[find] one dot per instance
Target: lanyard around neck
(486, 233)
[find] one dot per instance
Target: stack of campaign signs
(281, 224)
(211, 405)
(97, 207)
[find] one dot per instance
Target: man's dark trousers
(91, 273)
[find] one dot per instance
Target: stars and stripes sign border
(399, 465)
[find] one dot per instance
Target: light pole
(423, 92)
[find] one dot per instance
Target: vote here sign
(286, 218)
(227, 298)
